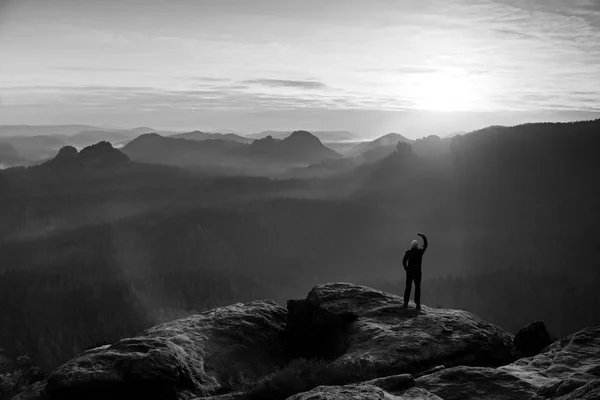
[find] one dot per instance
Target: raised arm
(425, 244)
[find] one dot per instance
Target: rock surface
(455, 355)
(396, 387)
(364, 323)
(199, 355)
(532, 339)
(568, 369)
(362, 392)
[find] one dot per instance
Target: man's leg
(409, 279)
(418, 290)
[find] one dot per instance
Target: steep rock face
(568, 369)
(202, 355)
(358, 322)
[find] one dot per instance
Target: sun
(443, 91)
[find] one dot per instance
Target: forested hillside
(89, 255)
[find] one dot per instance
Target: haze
(429, 67)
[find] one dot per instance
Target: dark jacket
(413, 258)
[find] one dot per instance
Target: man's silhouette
(412, 265)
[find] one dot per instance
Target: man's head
(414, 244)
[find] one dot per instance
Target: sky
(368, 66)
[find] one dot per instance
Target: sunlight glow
(448, 91)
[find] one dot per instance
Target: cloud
(416, 69)
(516, 33)
(217, 99)
(288, 83)
(206, 79)
(96, 69)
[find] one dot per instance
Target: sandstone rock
(589, 391)
(200, 355)
(463, 382)
(393, 383)
(532, 339)
(210, 354)
(371, 324)
(362, 392)
(430, 371)
(568, 369)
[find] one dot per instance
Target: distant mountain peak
(149, 135)
(99, 154)
(103, 151)
(67, 152)
(301, 133)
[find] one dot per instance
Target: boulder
(200, 355)
(567, 369)
(358, 322)
(532, 339)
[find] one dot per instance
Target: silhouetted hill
(341, 147)
(387, 142)
(432, 146)
(506, 196)
(199, 135)
(9, 156)
(210, 153)
(87, 138)
(390, 171)
(540, 178)
(43, 130)
(6, 149)
(98, 158)
(35, 148)
(227, 155)
(451, 134)
(300, 146)
(144, 129)
(333, 136)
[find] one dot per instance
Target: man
(412, 265)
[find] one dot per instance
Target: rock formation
(428, 354)
(568, 369)
(201, 355)
(357, 322)
(532, 339)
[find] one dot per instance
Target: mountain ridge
(200, 135)
(298, 147)
(388, 140)
(322, 135)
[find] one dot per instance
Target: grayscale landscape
(231, 200)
